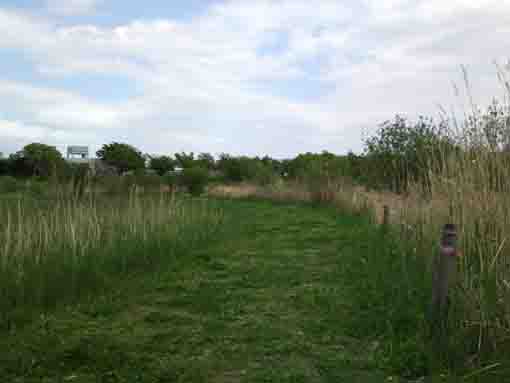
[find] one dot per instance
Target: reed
(59, 249)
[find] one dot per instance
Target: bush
(194, 179)
(171, 179)
(4, 166)
(402, 152)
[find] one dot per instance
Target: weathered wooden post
(444, 273)
(386, 216)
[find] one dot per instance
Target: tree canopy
(162, 164)
(124, 157)
(37, 160)
(185, 160)
(206, 160)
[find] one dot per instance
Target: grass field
(264, 303)
(57, 249)
(282, 294)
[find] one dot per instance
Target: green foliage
(401, 153)
(185, 160)
(124, 157)
(243, 168)
(194, 179)
(56, 250)
(162, 164)
(171, 180)
(267, 292)
(125, 184)
(389, 286)
(111, 184)
(206, 161)
(321, 170)
(38, 160)
(230, 167)
(264, 174)
(489, 128)
(4, 166)
(147, 181)
(324, 297)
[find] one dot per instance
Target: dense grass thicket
(57, 248)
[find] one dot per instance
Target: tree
(243, 168)
(402, 152)
(206, 160)
(124, 157)
(185, 160)
(38, 160)
(194, 179)
(230, 167)
(162, 164)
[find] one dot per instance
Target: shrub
(194, 179)
(171, 179)
(401, 152)
(4, 166)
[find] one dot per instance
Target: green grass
(57, 250)
(280, 295)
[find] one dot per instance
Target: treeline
(400, 153)
(45, 162)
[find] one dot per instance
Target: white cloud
(57, 108)
(72, 7)
(16, 134)
(213, 79)
(17, 130)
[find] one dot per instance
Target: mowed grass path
(265, 302)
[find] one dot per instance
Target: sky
(254, 77)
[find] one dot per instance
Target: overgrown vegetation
(56, 249)
(195, 180)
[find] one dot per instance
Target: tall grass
(57, 249)
(469, 187)
(472, 191)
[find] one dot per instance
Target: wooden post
(386, 216)
(444, 272)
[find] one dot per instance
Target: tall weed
(57, 249)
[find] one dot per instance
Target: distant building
(177, 170)
(78, 153)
